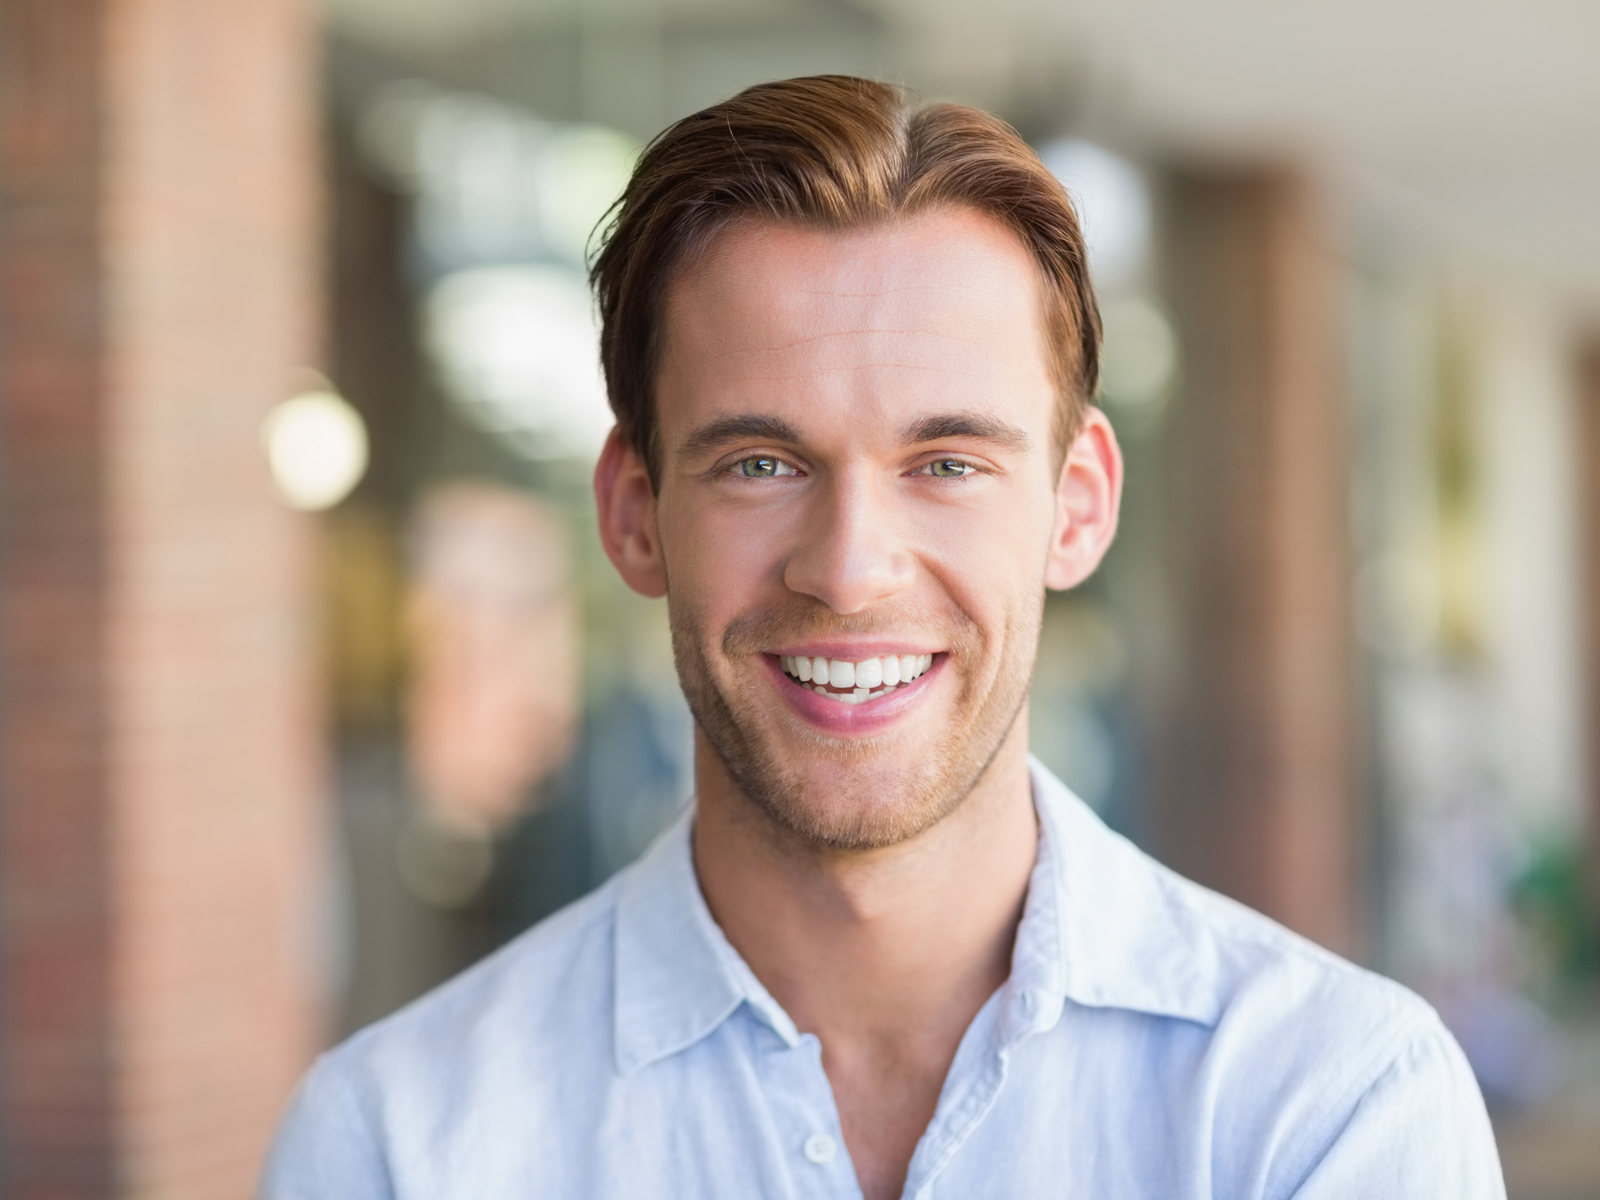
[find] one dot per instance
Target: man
(850, 347)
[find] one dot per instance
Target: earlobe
(1088, 498)
(627, 511)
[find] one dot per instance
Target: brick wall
(53, 858)
(160, 777)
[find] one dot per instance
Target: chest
(745, 1115)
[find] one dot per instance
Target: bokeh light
(316, 445)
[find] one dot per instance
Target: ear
(1088, 497)
(627, 505)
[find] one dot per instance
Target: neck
(882, 945)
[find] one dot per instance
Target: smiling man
(850, 345)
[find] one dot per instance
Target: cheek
(994, 576)
(1000, 543)
(722, 554)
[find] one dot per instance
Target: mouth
(849, 682)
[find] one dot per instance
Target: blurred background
(314, 683)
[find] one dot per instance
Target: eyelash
(733, 468)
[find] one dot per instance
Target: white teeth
(855, 696)
(856, 681)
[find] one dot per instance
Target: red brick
(160, 761)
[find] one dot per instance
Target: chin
(856, 809)
(863, 795)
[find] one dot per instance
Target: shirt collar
(1103, 926)
(1129, 935)
(674, 981)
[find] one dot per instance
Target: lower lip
(843, 719)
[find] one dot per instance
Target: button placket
(820, 1149)
(803, 1102)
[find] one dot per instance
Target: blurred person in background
(851, 345)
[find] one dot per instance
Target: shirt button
(820, 1148)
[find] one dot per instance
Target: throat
(886, 1100)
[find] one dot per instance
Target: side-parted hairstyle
(832, 152)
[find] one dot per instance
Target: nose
(851, 554)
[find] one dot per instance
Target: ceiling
(1477, 121)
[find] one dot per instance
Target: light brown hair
(831, 151)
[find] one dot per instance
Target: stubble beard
(863, 809)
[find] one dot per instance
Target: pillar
(1587, 394)
(1256, 791)
(160, 774)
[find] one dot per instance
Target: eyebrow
(965, 425)
(756, 426)
(738, 428)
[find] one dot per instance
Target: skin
(858, 461)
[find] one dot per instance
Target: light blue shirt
(1154, 1040)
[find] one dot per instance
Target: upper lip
(851, 651)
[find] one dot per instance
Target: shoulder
(501, 1036)
(1272, 1052)
(1137, 936)
(441, 1088)
(1258, 972)
(1324, 1068)
(545, 989)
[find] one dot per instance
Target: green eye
(763, 467)
(949, 468)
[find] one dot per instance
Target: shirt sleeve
(1419, 1132)
(324, 1149)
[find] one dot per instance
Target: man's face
(857, 469)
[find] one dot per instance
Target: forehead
(937, 311)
